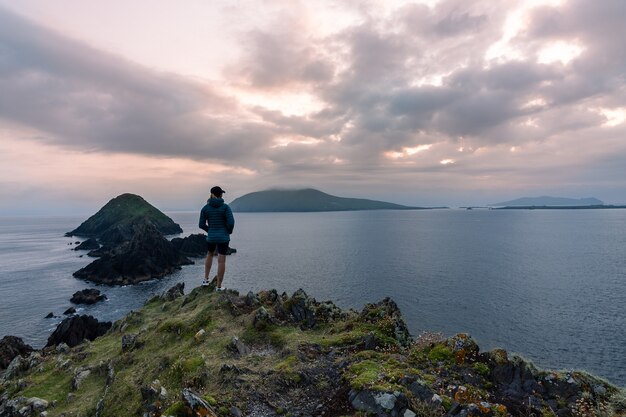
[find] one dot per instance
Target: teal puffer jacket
(216, 218)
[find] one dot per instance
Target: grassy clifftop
(265, 354)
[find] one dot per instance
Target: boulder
(252, 300)
(300, 307)
(199, 335)
(10, 347)
(87, 296)
(238, 347)
(379, 403)
(37, 404)
(262, 319)
(17, 366)
(73, 330)
(89, 244)
(80, 376)
(196, 406)
(69, 311)
(369, 342)
(267, 297)
(62, 348)
(176, 291)
(388, 310)
(129, 342)
(421, 391)
(50, 315)
(152, 397)
(146, 256)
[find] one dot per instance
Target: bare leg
(207, 265)
(221, 268)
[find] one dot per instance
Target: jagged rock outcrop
(195, 405)
(380, 403)
(89, 244)
(87, 296)
(114, 222)
(146, 256)
(174, 292)
(10, 347)
(194, 246)
(69, 311)
(388, 310)
(73, 330)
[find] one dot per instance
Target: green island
(210, 353)
(307, 200)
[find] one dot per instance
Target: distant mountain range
(306, 200)
(549, 201)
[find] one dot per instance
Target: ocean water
(549, 285)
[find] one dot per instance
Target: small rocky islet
(213, 353)
(127, 236)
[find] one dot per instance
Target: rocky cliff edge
(270, 354)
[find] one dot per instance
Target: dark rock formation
(197, 405)
(49, 315)
(97, 253)
(70, 310)
(152, 398)
(146, 256)
(238, 347)
(129, 342)
(87, 296)
(194, 246)
(379, 403)
(89, 244)
(300, 308)
(114, 222)
(387, 309)
(73, 330)
(176, 291)
(10, 347)
(262, 319)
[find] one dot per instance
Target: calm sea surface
(550, 285)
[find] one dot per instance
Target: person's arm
(202, 223)
(230, 220)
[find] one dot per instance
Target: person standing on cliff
(216, 218)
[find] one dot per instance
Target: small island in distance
(553, 203)
(307, 200)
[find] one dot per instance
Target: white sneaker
(205, 283)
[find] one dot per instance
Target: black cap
(217, 190)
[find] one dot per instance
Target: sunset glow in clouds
(446, 102)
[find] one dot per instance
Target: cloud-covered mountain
(306, 200)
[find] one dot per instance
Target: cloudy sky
(437, 102)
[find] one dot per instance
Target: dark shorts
(222, 247)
